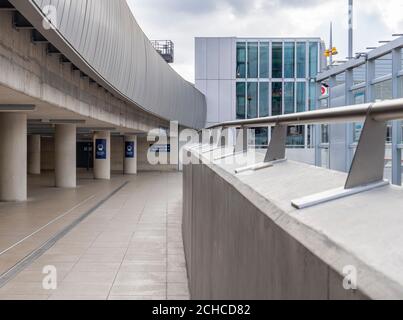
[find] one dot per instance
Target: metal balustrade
(367, 169)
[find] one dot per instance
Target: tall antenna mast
(350, 29)
(331, 42)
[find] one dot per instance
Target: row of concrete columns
(19, 155)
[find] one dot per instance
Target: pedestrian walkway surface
(129, 247)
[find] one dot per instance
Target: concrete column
(130, 162)
(13, 157)
(102, 155)
(34, 154)
(65, 156)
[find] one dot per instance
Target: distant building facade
(245, 78)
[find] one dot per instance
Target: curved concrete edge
(372, 284)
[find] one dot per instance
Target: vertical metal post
(349, 100)
(396, 125)
(370, 76)
(317, 131)
(242, 140)
(276, 150)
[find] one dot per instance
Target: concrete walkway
(128, 248)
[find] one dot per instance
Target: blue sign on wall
(100, 149)
(130, 149)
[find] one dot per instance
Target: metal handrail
(380, 111)
(367, 168)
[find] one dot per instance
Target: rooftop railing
(367, 169)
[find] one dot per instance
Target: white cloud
(183, 20)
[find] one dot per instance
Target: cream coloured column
(130, 163)
(13, 157)
(102, 155)
(34, 154)
(65, 156)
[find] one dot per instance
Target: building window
(263, 99)
(289, 60)
(241, 60)
(277, 99)
(301, 60)
(261, 137)
(252, 60)
(264, 60)
(240, 100)
(289, 97)
(252, 100)
(383, 90)
(312, 96)
(325, 133)
(296, 136)
(301, 96)
(277, 55)
(313, 59)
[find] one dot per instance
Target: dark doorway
(85, 158)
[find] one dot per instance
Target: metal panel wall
(107, 38)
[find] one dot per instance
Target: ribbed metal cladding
(106, 36)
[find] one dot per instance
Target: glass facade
(289, 97)
(241, 60)
(252, 100)
(296, 136)
(277, 99)
(312, 96)
(289, 60)
(264, 99)
(240, 100)
(301, 96)
(252, 60)
(277, 64)
(313, 59)
(264, 60)
(261, 137)
(301, 60)
(267, 73)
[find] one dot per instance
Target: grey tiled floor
(130, 248)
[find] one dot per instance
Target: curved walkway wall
(103, 39)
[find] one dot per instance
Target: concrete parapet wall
(241, 244)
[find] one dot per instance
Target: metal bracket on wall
(275, 152)
(367, 169)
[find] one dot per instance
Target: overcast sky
(183, 20)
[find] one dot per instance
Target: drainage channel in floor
(37, 253)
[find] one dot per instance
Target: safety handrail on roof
(367, 169)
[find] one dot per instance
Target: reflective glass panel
(277, 64)
(277, 98)
(240, 100)
(252, 100)
(383, 90)
(264, 60)
(264, 99)
(261, 137)
(241, 60)
(252, 60)
(301, 60)
(301, 96)
(289, 60)
(289, 97)
(296, 136)
(313, 59)
(312, 96)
